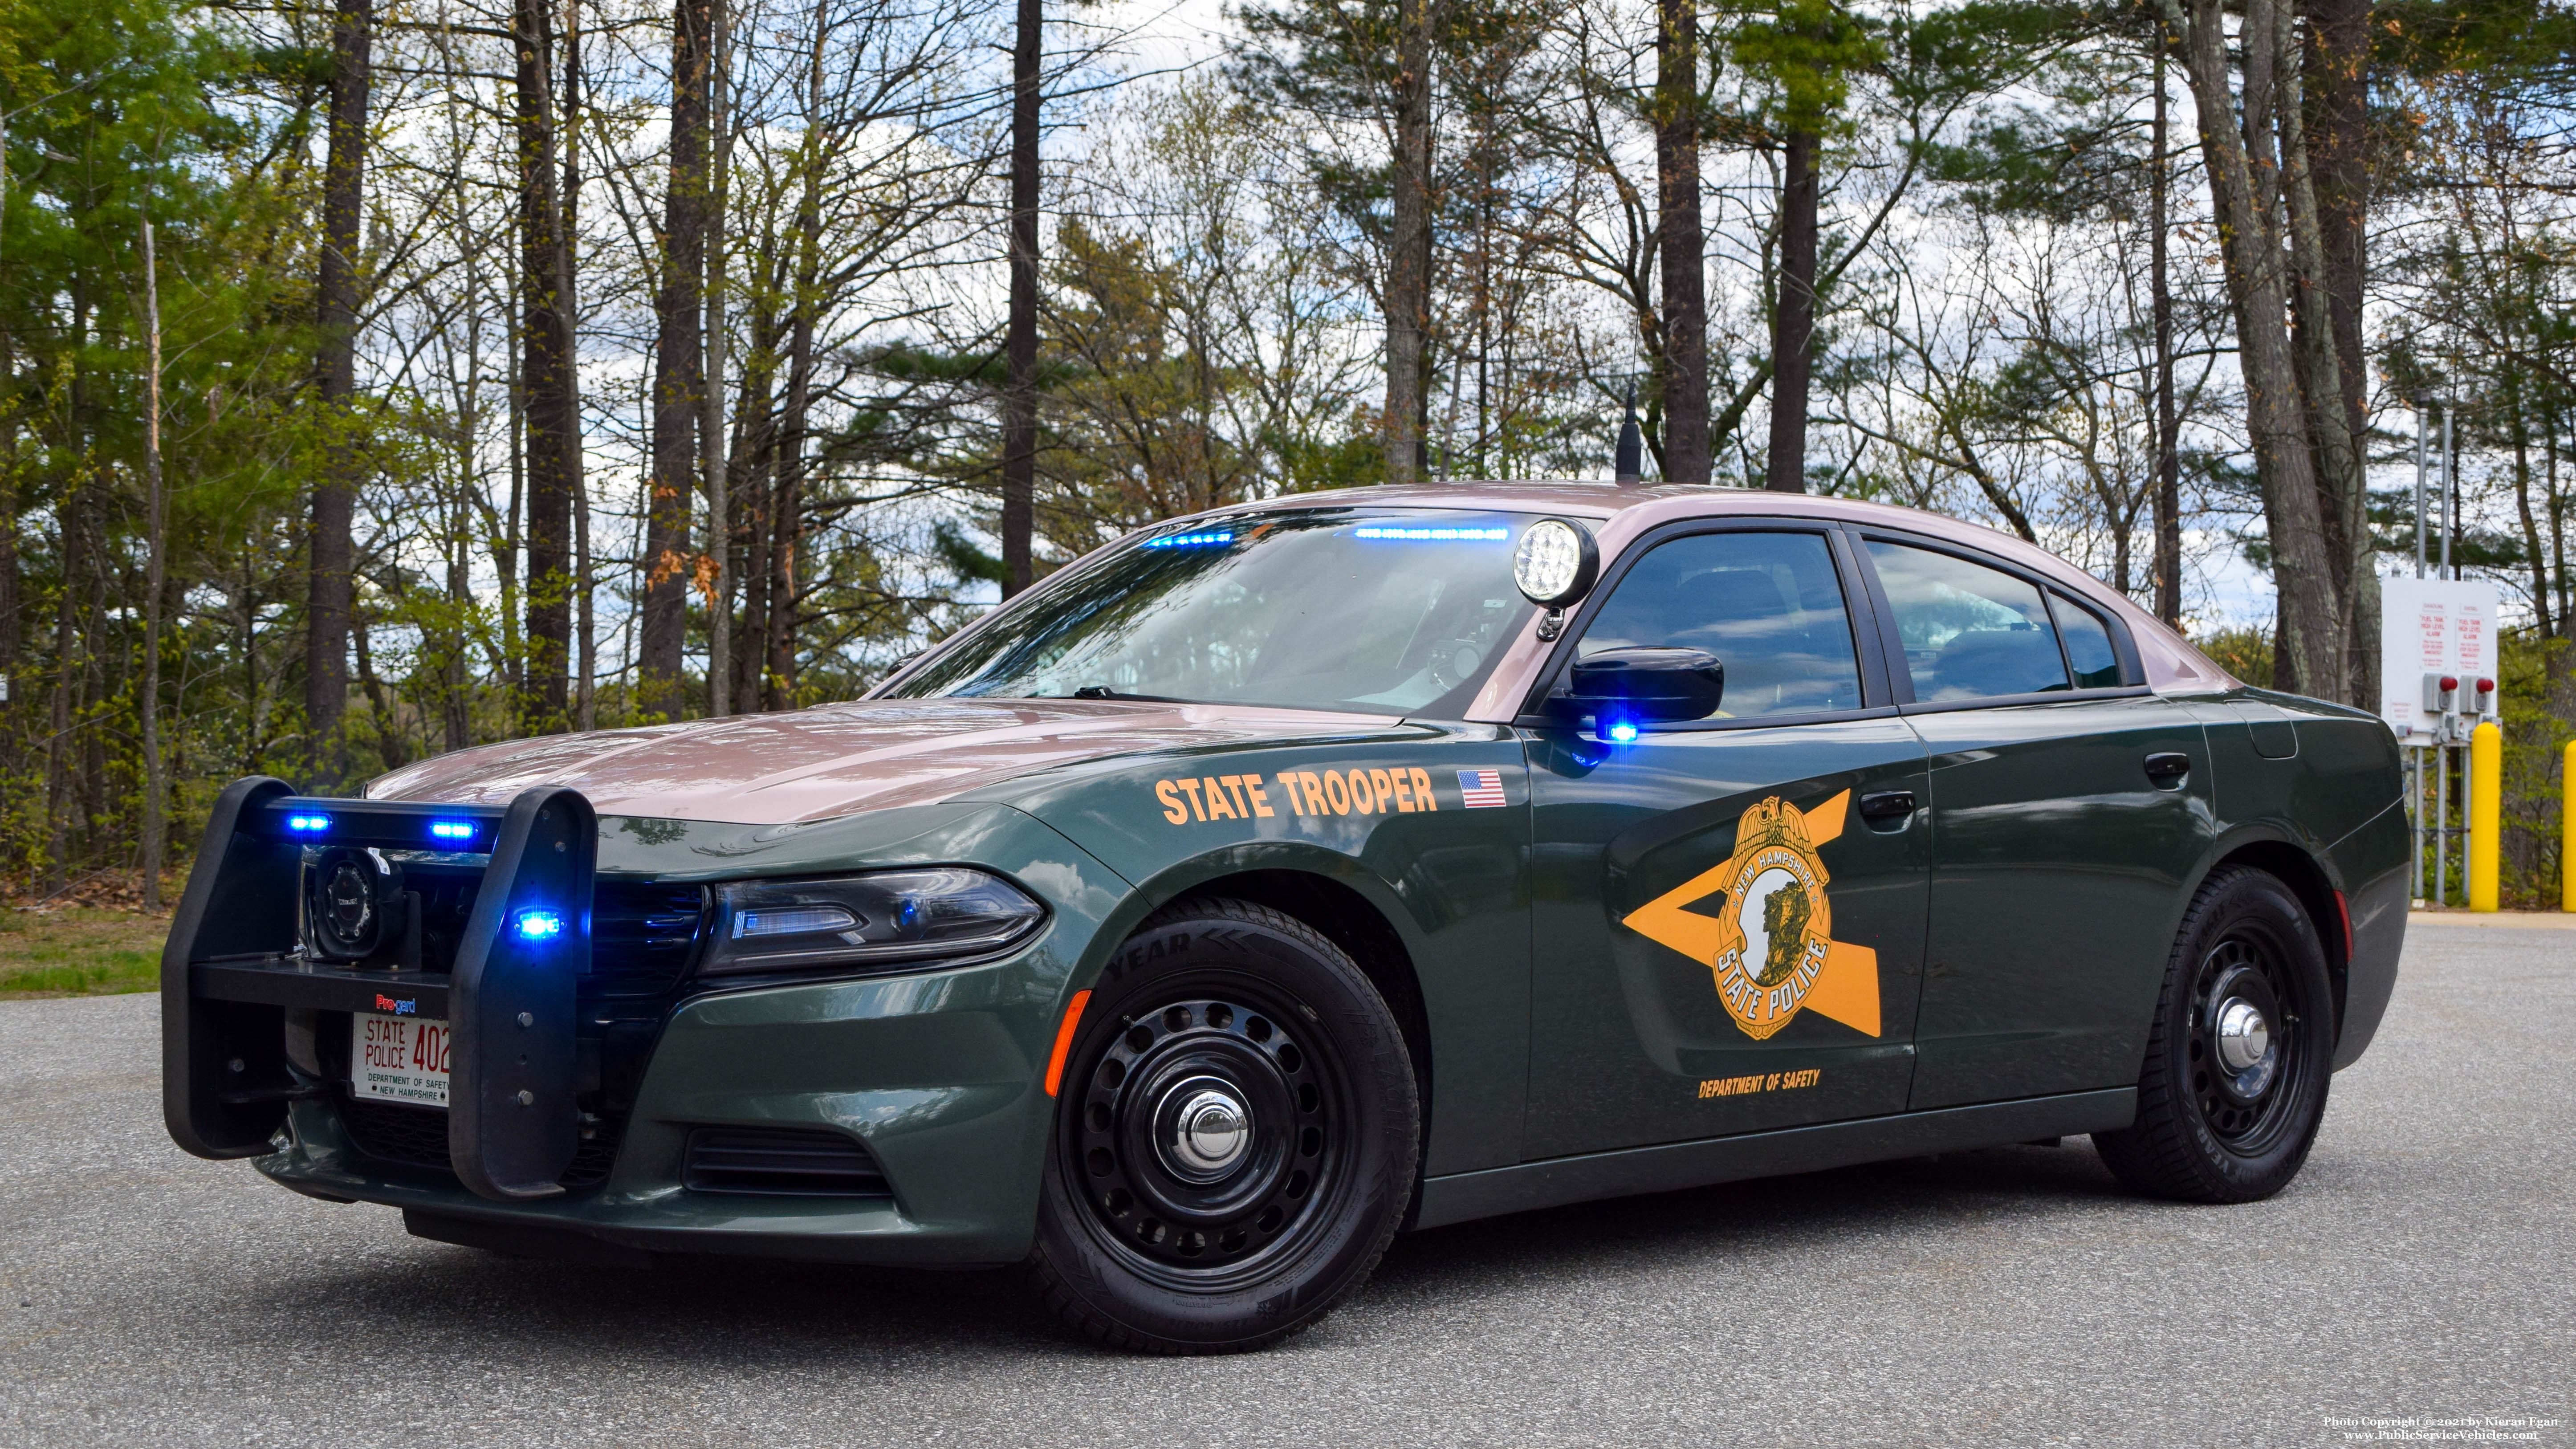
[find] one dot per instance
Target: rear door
(1723, 940)
(2069, 806)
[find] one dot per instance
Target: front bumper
(939, 1074)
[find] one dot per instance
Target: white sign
(2441, 627)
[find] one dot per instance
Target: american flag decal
(1483, 788)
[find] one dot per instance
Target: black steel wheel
(2234, 1084)
(1236, 1136)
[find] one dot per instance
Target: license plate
(398, 1058)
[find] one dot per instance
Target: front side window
(1382, 611)
(1970, 632)
(1768, 605)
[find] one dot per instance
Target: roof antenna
(1632, 443)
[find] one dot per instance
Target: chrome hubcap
(1206, 1129)
(2243, 1035)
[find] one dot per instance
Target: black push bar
(241, 954)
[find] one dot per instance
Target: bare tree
(326, 630)
(1685, 301)
(1409, 238)
(678, 352)
(2245, 181)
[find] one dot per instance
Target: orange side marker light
(1064, 1040)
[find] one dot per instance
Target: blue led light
(308, 824)
(1434, 535)
(1189, 540)
(538, 925)
(1621, 731)
(452, 829)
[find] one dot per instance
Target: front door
(2069, 805)
(1728, 914)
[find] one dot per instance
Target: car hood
(814, 764)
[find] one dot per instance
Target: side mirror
(1646, 683)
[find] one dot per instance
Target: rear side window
(1768, 605)
(2088, 644)
(1970, 632)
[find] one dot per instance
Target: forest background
(386, 376)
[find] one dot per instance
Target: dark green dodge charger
(1273, 880)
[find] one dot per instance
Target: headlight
(858, 921)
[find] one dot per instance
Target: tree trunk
(156, 782)
(1020, 343)
(567, 255)
(2168, 424)
(2244, 189)
(1408, 254)
(663, 630)
(786, 508)
(2531, 543)
(553, 428)
(328, 556)
(1793, 335)
(506, 548)
(2337, 66)
(754, 447)
(1686, 442)
(2338, 129)
(711, 429)
(12, 599)
(390, 744)
(2342, 482)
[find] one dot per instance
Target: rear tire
(2218, 1120)
(1236, 1137)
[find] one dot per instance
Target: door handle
(2167, 766)
(1887, 805)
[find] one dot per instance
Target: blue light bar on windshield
(1435, 535)
(1189, 540)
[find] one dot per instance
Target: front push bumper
(577, 1110)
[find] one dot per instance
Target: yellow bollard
(2486, 814)
(2567, 832)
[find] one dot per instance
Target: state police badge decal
(1770, 947)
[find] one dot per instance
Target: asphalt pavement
(2422, 1268)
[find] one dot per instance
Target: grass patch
(79, 951)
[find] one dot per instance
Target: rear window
(1970, 632)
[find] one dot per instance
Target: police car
(1275, 880)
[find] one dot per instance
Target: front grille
(406, 1136)
(642, 936)
(392, 1132)
(781, 1161)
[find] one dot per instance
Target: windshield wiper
(1102, 691)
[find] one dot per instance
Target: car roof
(1623, 512)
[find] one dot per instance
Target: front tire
(2234, 1085)
(1236, 1137)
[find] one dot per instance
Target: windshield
(1384, 611)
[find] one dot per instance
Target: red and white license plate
(398, 1058)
